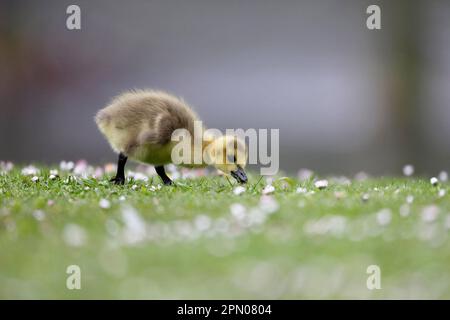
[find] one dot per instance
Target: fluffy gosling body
(139, 124)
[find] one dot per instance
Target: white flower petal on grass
(304, 174)
(54, 172)
(408, 170)
(365, 197)
(409, 199)
(268, 204)
(122, 198)
(6, 167)
(80, 168)
(430, 213)
(202, 222)
(301, 190)
(441, 193)
(134, 187)
(239, 190)
(384, 217)
(238, 211)
(434, 181)
(35, 179)
(341, 180)
(361, 176)
(138, 176)
(52, 177)
(30, 171)
(74, 235)
(104, 204)
(443, 176)
(321, 184)
(135, 226)
(268, 189)
(66, 165)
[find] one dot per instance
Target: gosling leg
(162, 174)
(120, 176)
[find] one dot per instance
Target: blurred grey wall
(345, 98)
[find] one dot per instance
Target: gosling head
(229, 155)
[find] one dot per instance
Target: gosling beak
(239, 175)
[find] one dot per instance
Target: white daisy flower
(408, 170)
(104, 204)
(301, 190)
(268, 189)
(434, 181)
(384, 217)
(239, 190)
(321, 184)
(443, 176)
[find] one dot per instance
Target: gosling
(138, 124)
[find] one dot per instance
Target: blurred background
(345, 98)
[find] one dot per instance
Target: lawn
(206, 238)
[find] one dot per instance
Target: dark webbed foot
(162, 174)
(118, 180)
(120, 175)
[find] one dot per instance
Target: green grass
(315, 245)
